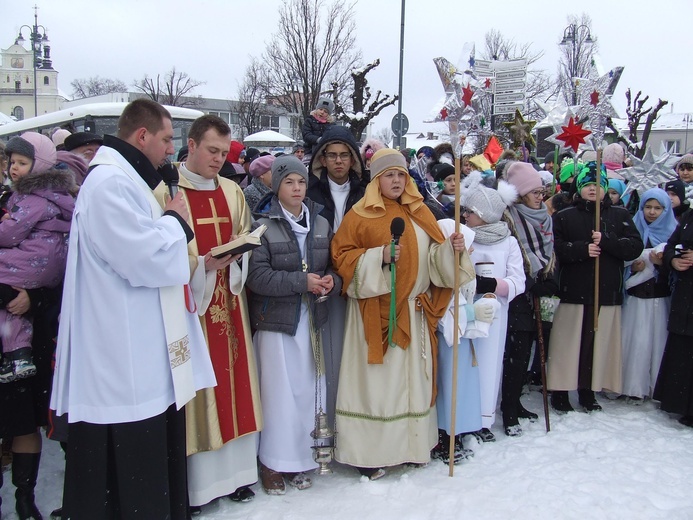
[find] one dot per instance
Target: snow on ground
(627, 462)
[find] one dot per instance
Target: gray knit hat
(285, 165)
(487, 203)
(686, 159)
(326, 104)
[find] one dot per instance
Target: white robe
(213, 474)
(507, 265)
(384, 411)
(643, 337)
(287, 389)
(112, 362)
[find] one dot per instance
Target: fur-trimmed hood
(54, 180)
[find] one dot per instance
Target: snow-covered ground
(627, 462)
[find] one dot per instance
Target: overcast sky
(212, 40)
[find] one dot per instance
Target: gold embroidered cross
(215, 220)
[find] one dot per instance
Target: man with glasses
(336, 184)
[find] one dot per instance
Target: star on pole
(648, 172)
(571, 136)
(594, 96)
(520, 130)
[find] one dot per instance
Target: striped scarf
(534, 232)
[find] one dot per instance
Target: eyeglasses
(466, 211)
(332, 156)
(537, 193)
(686, 166)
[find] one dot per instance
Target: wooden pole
(456, 323)
(542, 353)
(597, 227)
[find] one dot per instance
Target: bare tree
(578, 46)
(251, 97)
(96, 86)
(314, 47)
(384, 134)
(636, 111)
(175, 89)
(363, 110)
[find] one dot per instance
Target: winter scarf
(491, 233)
(661, 229)
(534, 231)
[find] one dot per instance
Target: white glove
(483, 311)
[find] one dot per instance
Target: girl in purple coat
(33, 240)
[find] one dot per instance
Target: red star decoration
(487, 83)
(467, 94)
(573, 135)
(594, 98)
(444, 114)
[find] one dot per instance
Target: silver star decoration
(594, 96)
(461, 111)
(553, 138)
(556, 114)
(648, 172)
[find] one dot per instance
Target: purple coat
(33, 240)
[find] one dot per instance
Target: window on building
(18, 113)
(672, 146)
(235, 119)
(26, 80)
(8, 78)
(226, 116)
(46, 81)
(270, 123)
(18, 86)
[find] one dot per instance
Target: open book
(241, 244)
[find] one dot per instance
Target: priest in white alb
(130, 351)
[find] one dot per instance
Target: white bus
(98, 118)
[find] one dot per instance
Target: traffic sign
(507, 109)
(396, 125)
(508, 97)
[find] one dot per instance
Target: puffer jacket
(276, 279)
(312, 132)
(33, 236)
(621, 241)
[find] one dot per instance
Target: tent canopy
(268, 138)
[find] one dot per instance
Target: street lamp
(38, 38)
(687, 119)
(577, 36)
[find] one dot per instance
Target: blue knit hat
(588, 175)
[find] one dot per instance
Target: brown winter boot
(272, 481)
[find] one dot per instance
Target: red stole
(223, 321)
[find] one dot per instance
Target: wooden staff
(597, 227)
(542, 353)
(456, 322)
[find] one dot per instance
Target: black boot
(25, 468)
(560, 401)
(588, 401)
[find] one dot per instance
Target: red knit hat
(234, 152)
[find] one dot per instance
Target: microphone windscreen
(169, 173)
(397, 227)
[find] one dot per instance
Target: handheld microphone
(396, 230)
(169, 174)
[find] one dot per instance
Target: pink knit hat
(524, 177)
(36, 147)
(261, 165)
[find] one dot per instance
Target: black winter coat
(319, 192)
(312, 131)
(621, 241)
(681, 315)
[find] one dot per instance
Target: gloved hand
(485, 284)
(544, 288)
(483, 311)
